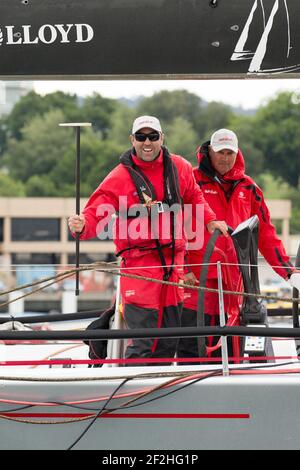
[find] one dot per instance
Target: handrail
(150, 333)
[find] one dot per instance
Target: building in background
(11, 92)
(35, 242)
(34, 232)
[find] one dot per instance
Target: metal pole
(77, 179)
(117, 325)
(295, 307)
(77, 126)
(222, 321)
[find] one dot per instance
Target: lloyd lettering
(48, 34)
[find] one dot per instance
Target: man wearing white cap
(234, 197)
(143, 190)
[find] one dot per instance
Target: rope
(106, 268)
(29, 421)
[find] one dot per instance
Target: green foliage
(41, 147)
(42, 155)
(10, 188)
(121, 125)
(277, 133)
(253, 154)
(40, 186)
(33, 105)
(182, 139)
(98, 157)
(204, 118)
(168, 105)
(98, 111)
(214, 116)
(38, 158)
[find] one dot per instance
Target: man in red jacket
(234, 197)
(147, 190)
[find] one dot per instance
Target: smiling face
(149, 149)
(223, 160)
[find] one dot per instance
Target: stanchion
(225, 366)
(77, 126)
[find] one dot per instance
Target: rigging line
(70, 272)
(214, 373)
(168, 384)
(66, 274)
(99, 413)
(29, 421)
(189, 377)
(151, 375)
(156, 388)
(181, 285)
(192, 382)
(43, 265)
(117, 267)
(4, 304)
(92, 400)
(18, 409)
(125, 406)
(148, 375)
(58, 277)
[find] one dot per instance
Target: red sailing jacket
(119, 184)
(246, 200)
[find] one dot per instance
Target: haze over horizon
(247, 93)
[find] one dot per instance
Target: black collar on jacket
(144, 185)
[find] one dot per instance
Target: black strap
(143, 248)
(171, 196)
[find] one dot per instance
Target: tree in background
(277, 133)
(33, 105)
(39, 148)
(10, 187)
(37, 158)
(121, 124)
(253, 154)
(182, 139)
(203, 118)
(214, 116)
(98, 157)
(168, 105)
(100, 112)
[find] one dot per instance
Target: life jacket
(147, 196)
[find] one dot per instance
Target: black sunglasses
(140, 137)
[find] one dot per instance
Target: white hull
(236, 412)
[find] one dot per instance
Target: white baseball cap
(146, 121)
(224, 139)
